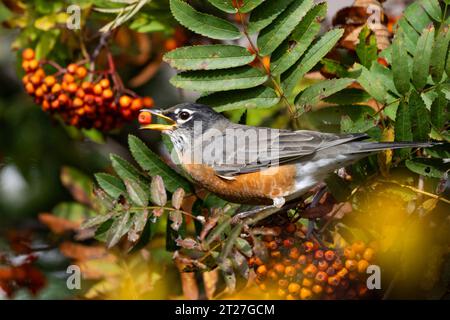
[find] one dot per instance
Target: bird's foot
(317, 197)
(310, 230)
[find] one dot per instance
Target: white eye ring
(184, 115)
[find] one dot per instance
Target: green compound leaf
(208, 57)
(202, 23)
(151, 163)
(220, 80)
(264, 14)
(301, 38)
(260, 97)
(274, 34)
(311, 58)
(422, 58)
(224, 5)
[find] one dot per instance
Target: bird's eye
(184, 115)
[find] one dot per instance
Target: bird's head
(184, 117)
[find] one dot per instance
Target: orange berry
(383, 61)
(89, 99)
(275, 254)
(136, 105)
(337, 264)
(170, 44)
(279, 268)
(261, 270)
(81, 72)
(309, 246)
(148, 102)
(80, 93)
(55, 104)
(86, 85)
(28, 54)
(322, 265)
(291, 228)
(310, 271)
(72, 68)
(294, 287)
(26, 65)
(72, 87)
(358, 246)
(369, 254)
(98, 101)
(305, 294)
(36, 80)
(272, 245)
(321, 276)
(26, 79)
(68, 78)
(77, 103)
(290, 297)
(45, 105)
(107, 94)
(39, 92)
(318, 254)
(125, 101)
(29, 88)
(283, 283)
(272, 275)
(349, 253)
(294, 253)
(307, 282)
(33, 65)
(317, 289)
(351, 265)
(104, 83)
(126, 113)
(98, 89)
(50, 81)
(362, 266)
(302, 260)
(258, 261)
(333, 281)
(63, 98)
(329, 255)
(289, 242)
(266, 62)
(290, 271)
(342, 273)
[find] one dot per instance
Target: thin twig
(418, 191)
(168, 209)
(277, 86)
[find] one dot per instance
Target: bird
(263, 166)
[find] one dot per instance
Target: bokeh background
(34, 148)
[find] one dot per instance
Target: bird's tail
(379, 146)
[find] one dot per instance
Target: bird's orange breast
(250, 188)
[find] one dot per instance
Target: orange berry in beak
(145, 118)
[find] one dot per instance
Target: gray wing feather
(277, 147)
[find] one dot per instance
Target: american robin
(255, 165)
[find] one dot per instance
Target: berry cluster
(299, 269)
(80, 102)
